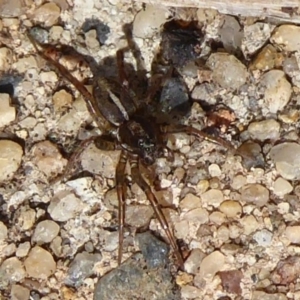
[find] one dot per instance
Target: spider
(139, 135)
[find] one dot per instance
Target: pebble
(263, 237)
(62, 100)
(255, 194)
(47, 14)
(258, 295)
(100, 162)
(293, 234)
(250, 224)
(214, 170)
(212, 197)
(12, 8)
(81, 267)
(189, 202)
(211, 264)
(217, 217)
(64, 206)
(138, 215)
(198, 215)
(27, 219)
(190, 292)
(24, 64)
(267, 59)
(227, 70)
(231, 281)
(251, 155)
(285, 37)
(19, 292)
(23, 249)
(282, 187)
(3, 231)
(39, 264)
(286, 157)
(255, 36)
(238, 181)
(11, 270)
(192, 263)
(148, 21)
(10, 159)
(45, 232)
(48, 159)
(277, 90)
(264, 130)
(6, 59)
(231, 34)
(231, 209)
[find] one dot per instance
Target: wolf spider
(140, 136)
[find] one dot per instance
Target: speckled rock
(256, 194)
(263, 237)
(278, 90)
(11, 271)
(228, 71)
(81, 267)
(48, 159)
(64, 206)
(39, 264)
(285, 37)
(10, 158)
(264, 130)
(45, 232)
(286, 157)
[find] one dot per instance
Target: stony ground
(235, 213)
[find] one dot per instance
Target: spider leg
(53, 55)
(121, 191)
(198, 133)
(137, 177)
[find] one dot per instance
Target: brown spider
(140, 137)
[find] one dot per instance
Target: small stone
(198, 215)
(251, 154)
(192, 263)
(62, 100)
(27, 219)
(228, 71)
(190, 292)
(264, 130)
(48, 77)
(45, 232)
(277, 89)
(138, 215)
(81, 267)
(47, 14)
(24, 64)
(266, 59)
(212, 197)
(148, 21)
(285, 37)
(189, 202)
(39, 264)
(3, 231)
(9, 250)
(6, 59)
(214, 170)
(64, 206)
(263, 238)
(286, 157)
(91, 39)
(255, 36)
(11, 8)
(10, 159)
(231, 281)
(56, 246)
(293, 234)
(238, 182)
(256, 194)
(19, 292)
(217, 217)
(282, 187)
(250, 224)
(48, 158)
(283, 208)
(211, 264)
(11, 270)
(258, 295)
(231, 209)
(111, 241)
(23, 249)
(100, 162)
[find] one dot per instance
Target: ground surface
(236, 214)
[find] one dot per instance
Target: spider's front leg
(137, 177)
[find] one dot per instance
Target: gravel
(235, 213)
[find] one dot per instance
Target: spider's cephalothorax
(127, 125)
